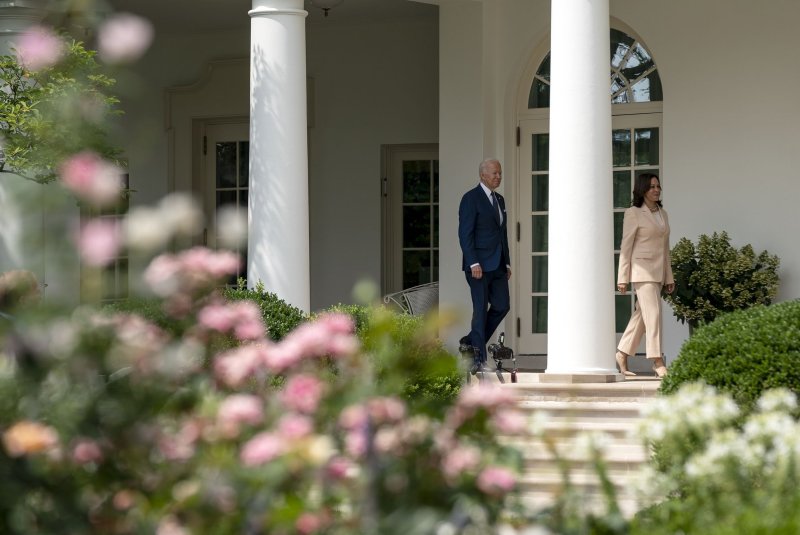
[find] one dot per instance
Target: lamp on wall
(325, 5)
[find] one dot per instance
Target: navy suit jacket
(482, 240)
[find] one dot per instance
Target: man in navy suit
(482, 233)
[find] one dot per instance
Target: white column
(580, 325)
(278, 243)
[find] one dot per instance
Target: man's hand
(508, 273)
(477, 272)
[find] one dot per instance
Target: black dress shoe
(464, 345)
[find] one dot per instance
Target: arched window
(634, 77)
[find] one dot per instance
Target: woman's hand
(622, 288)
(669, 287)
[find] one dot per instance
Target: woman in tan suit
(644, 261)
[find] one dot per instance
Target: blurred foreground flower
(27, 438)
(92, 179)
(99, 241)
(124, 38)
(39, 48)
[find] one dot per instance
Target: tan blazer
(644, 251)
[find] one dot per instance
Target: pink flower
(386, 410)
(243, 318)
(190, 272)
(353, 417)
(339, 468)
(123, 38)
(302, 393)
(87, 451)
(509, 422)
(460, 459)
(239, 409)
(308, 523)
(39, 48)
(26, 438)
(496, 481)
(92, 179)
(295, 426)
(98, 241)
(261, 449)
(236, 365)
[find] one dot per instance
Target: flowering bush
(720, 472)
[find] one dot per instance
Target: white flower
(777, 399)
(123, 38)
(232, 227)
(145, 230)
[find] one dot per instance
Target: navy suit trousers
(490, 304)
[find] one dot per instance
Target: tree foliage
(48, 115)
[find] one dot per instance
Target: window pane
(243, 200)
(638, 63)
(621, 143)
(622, 311)
(540, 192)
(416, 226)
(648, 89)
(620, 44)
(226, 164)
(622, 189)
(541, 152)
(436, 226)
(244, 163)
(539, 234)
(226, 197)
(539, 282)
(616, 268)
(544, 68)
(435, 272)
(416, 181)
(539, 308)
(435, 180)
(539, 96)
(646, 146)
(618, 218)
(416, 268)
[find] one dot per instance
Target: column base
(575, 378)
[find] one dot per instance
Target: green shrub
(743, 353)
(279, 316)
(715, 277)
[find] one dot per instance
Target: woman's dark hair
(641, 187)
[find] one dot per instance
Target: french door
(636, 149)
(226, 184)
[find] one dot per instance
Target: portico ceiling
(208, 15)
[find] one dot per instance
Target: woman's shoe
(659, 367)
(622, 364)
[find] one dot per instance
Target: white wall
(731, 112)
(374, 84)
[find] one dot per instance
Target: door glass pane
(435, 273)
(541, 184)
(416, 268)
(622, 311)
(539, 282)
(435, 180)
(244, 163)
(618, 219)
(226, 197)
(616, 268)
(243, 199)
(539, 309)
(416, 226)
(539, 223)
(622, 189)
(621, 143)
(541, 152)
(646, 146)
(417, 181)
(226, 164)
(436, 226)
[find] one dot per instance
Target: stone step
(584, 410)
(536, 501)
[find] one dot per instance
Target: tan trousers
(646, 319)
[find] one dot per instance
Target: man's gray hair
(485, 163)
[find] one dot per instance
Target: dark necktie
(496, 210)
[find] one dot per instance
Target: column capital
(16, 16)
(269, 8)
